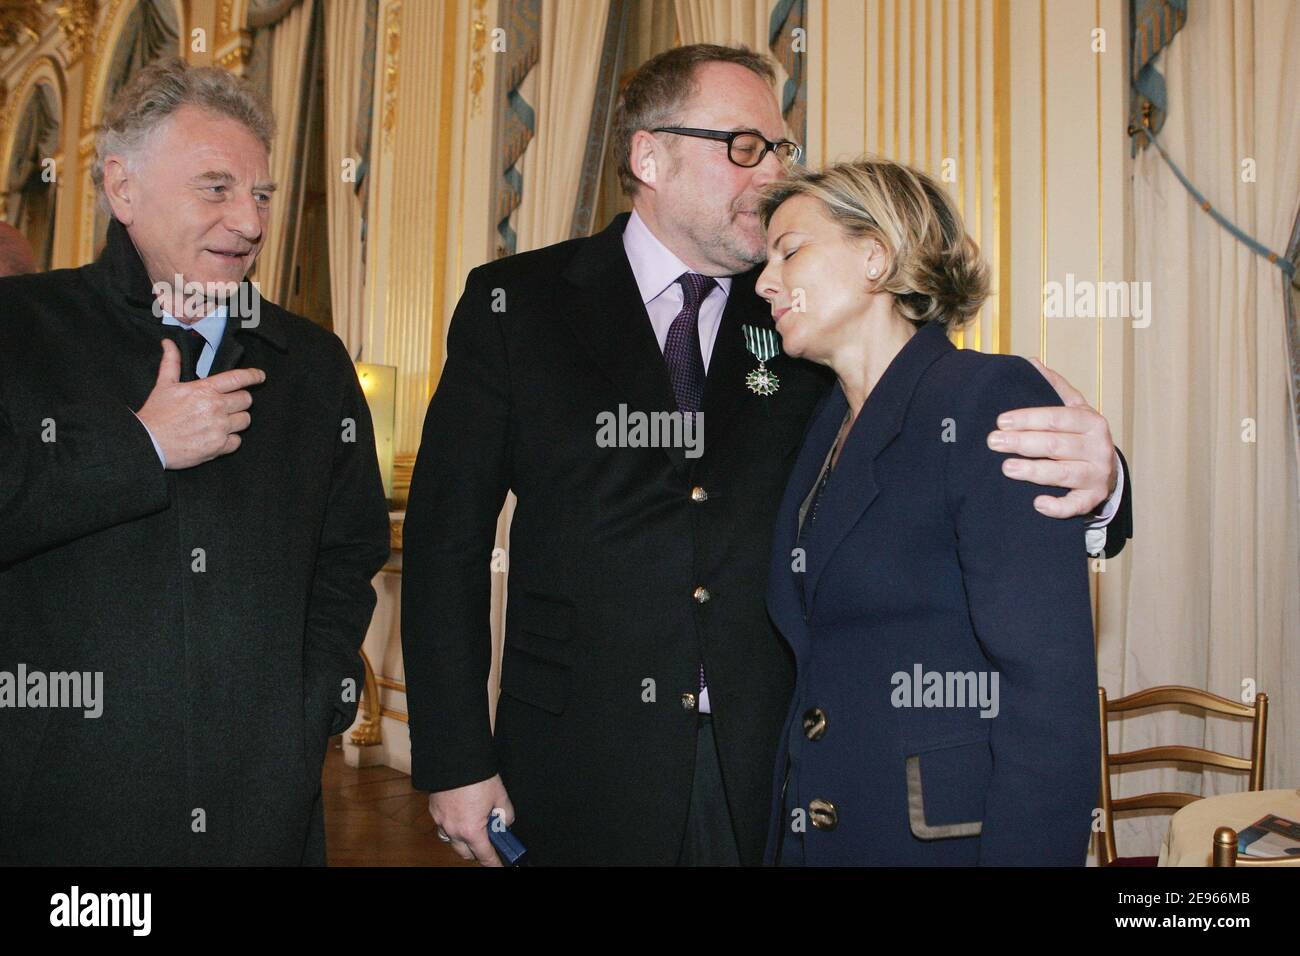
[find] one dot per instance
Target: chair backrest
(1225, 852)
(1164, 696)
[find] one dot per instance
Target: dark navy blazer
(924, 561)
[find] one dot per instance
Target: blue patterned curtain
(612, 54)
(787, 17)
(515, 117)
(1153, 24)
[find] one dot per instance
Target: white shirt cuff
(1111, 508)
(156, 447)
(1095, 536)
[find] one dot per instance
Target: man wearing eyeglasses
(610, 383)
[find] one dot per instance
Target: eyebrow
(222, 176)
(777, 240)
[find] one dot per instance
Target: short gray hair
(157, 91)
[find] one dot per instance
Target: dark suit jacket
(220, 686)
(923, 557)
(607, 547)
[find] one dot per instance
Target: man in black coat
(640, 539)
(184, 581)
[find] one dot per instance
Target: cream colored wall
(429, 195)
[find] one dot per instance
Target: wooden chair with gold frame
(1225, 852)
(1160, 697)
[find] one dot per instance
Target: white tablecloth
(1190, 841)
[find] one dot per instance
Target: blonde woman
(944, 709)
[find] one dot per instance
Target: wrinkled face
(705, 202)
(816, 278)
(197, 202)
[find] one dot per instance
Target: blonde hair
(935, 272)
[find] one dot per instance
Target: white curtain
(1214, 568)
(561, 90)
(725, 22)
(289, 64)
(345, 34)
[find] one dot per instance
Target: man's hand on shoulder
(462, 817)
(194, 422)
(1069, 447)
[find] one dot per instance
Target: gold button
(814, 723)
(688, 701)
(701, 595)
(823, 814)
(699, 494)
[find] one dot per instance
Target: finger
(236, 379)
(1057, 445)
(1068, 506)
(507, 812)
(169, 368)
(232, 443)
(483, 851)
(462, 849)
(1069, 394)
(239, 421)
(1051, 418)
(1046, 471)
(239, 401)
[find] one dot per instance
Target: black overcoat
(223, 604)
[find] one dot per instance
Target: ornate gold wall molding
(392, 47)
(104, 38)
(478, 40)
(77, 22)
(233, 43)
(20, 21)
(42, 68)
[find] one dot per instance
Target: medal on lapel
(762, 344)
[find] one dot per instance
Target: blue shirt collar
(212, 326)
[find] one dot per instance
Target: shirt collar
(654, 265)
(212, 326)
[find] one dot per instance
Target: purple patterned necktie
(682, 346)
(682, 353)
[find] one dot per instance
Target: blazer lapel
(725, 391)
(609, 320)
(229, 352)
(783, 599)
(852, 486)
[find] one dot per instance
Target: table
(1190, 840)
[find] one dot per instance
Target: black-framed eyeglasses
(744, 148)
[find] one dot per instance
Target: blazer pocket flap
(533, 614)
(945, 790)
(533, 680)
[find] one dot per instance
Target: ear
(645, 157)
(118, 189)
(877, 260)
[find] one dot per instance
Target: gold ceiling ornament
(20, 22)
(77, 21)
